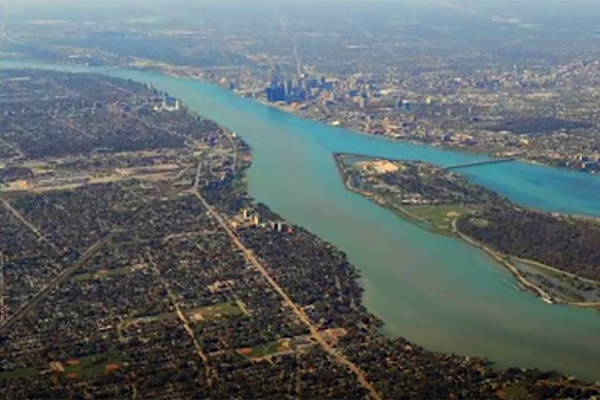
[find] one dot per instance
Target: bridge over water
(480, 163)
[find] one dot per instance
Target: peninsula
(555, 256)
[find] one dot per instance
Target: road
(29, 225)
(291, 39)
(337, 356)
(184, 321)
(2, 289)
(64, 274)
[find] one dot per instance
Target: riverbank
(504, 260)
(500, 258)
(197, 74)
(335, 122)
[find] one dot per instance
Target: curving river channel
(434, 290)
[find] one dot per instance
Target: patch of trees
(569, 244)
(440, 187)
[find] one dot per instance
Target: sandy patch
(197, 316)
(57, 366)
(111, 368)
(380, 166)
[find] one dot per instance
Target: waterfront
(434, 290)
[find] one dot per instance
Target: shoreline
(472, 151)
(359, 279)
(174, 71)
(499, 258)
(288, 109)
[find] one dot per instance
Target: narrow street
(184, 321)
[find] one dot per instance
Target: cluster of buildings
(518, 112)
(168, 104)
(294, 90)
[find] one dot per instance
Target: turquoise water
(436, 291)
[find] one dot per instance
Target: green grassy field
(87, 367)
(93, 365)
(267, 349)
(19, 373)
(264, 350)
(515, 392)
(220, 310)
(148, 319)
(440, 216)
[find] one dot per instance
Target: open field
(216, 311)
(81, 368)
(438, 215)
(515, 392)
(19, 373)
(209, 313)
(89, 366)
(266, 349)
(297, 343)
(103, 273)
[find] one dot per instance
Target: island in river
(555, 256)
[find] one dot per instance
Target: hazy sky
(559, 8)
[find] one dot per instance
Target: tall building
(276, 92)
(289, 88)
(170, 104)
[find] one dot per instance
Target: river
(434, 290)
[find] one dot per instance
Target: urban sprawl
(134, 265)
